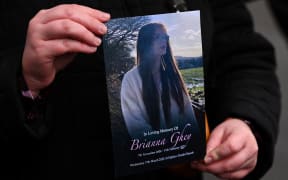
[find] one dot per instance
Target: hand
(54, 37)
(232, 151)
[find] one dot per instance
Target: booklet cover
(155, 82)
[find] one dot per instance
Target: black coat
(240, 82)
(279, 9)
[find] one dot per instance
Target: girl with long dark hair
(153, 94)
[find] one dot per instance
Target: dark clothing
(239, 76)
(280, 10)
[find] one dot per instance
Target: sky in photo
(184, 30)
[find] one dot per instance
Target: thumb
(229, 147)
(215, 139)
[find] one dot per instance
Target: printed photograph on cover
(155, 84)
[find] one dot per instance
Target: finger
(65, 28)
(231, 146)
(234, 175)
(241, 160)
(59, 47)
(251, 163)
(68, 10)
(199, 166)
(241, 172)
(215, 138)
(71, 12)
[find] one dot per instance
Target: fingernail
(92, 49)
(106, 15)
(97, 41)
(103, 29)
(208, 160)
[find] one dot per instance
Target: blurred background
(266, 25)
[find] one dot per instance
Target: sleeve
(20, 116)
(11, 110)
(34, 109)
(279, 9)
(14, 109)
(133, 108)
(246, 85)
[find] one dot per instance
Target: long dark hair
(171, 79)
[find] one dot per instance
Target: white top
(134, 111)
